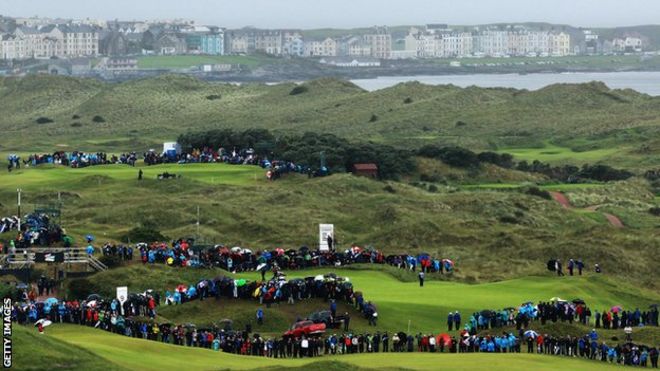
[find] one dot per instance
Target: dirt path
(614, 220)
(562, 199)
(564, 202)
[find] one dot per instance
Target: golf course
(506, 185)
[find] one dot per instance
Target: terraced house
(62, 41)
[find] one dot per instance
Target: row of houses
(440, 42)
(64, 41)
(377, 43)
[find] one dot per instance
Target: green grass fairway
(186, 61)
(92, 349)
(556, 154)
(399, 299)
(47, 175)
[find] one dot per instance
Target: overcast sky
(349, 13)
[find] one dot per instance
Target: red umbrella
(616, 309)
(181, 288)
(444, 339)
(279, 251)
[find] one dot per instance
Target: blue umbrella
(89, 238)
(51, 301)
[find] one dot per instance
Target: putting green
(124, 353)
(49, 175)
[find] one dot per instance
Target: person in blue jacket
(450, 321)
(457, 320)
(260, 316)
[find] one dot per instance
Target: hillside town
(24, 38)
(108, 49)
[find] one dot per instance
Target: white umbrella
(318, 278)
(91, 304)
(261, 266)
(43, 322)
(531, 334)
(246, 251)
(236, 249)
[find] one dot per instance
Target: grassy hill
(586, 120)
(483, 227)
(68, 346)
(114, 352)
(400, 300)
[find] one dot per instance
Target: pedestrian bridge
(25, 258)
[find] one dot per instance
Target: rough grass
(482, 229)
(147, 112)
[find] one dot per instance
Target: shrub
(509, 219)
(143, 234)
(75, 117)
(214, 97)
(373, 118)
(44, 120)
(433, 178)
(98, 119)
(407, 100)
(536, 191)
(433, 188)
(76, 125)
(655, 211)
(299, 90)
(111, 261)
(81, 288)
(460, 123)
(453, 156)
(388, 188)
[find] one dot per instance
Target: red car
(305, 328)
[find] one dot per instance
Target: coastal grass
(590, 118)
(481, 228)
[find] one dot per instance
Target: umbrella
(262, 266)
(616, 309)
(486, 313)
(318, 278)
(89, 238)
(246, 251)
(531, 334)
(51, 301)
(444, 339)
(578, 301)
(92, 297)
(43, 322)
(279, 251)
(182, 288)
(236, 249)
(556, 298)
(240, 282)
(92, 303)
(448, 261)
(22, 286)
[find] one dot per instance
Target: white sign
(122, 294)
(324, 231)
